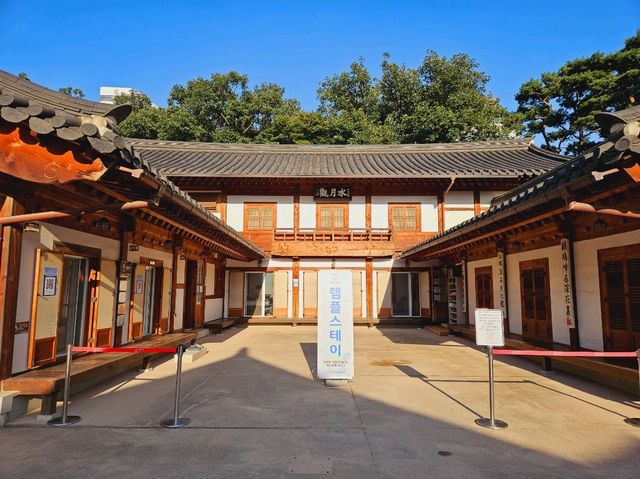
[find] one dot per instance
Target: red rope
(88, 349)
(576, 354)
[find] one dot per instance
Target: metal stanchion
(177, 421)
(66, 420)
(635, 421)
(491, 422)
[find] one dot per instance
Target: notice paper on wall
(489, 327)
(335, 325)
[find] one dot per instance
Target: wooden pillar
(295, 290)
(440, 212)
(476, 202)
(368, 272)
(296, 211)
(367, 209)
(175, 251)
(10, 254)
(223, 207)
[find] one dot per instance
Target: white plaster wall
(210, 278)
(45, 240)
(307, 212)
(164, 256)
(266, 263)
(212, 309)
(384, 263)
(588, 305)
(355, 263)
(487, 196)
(180, 273)
(235, 210)
(471, 284)
(452, 218)
(357, 213)
(558, 319)
(179, 318)
(428, 210)
(459, 199)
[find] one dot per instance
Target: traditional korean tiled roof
(515, 158)
(621, 149)
(92, 126)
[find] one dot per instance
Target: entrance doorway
(620, 286)
(194, 294)
(405, 294)
(259, 294)
(536, 301)
(73, 304)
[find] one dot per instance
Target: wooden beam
(368, 273)
(10, 255)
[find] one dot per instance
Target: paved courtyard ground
(258, 411)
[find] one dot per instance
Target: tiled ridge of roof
(60, 101)
(503, 158)
(53, 113)
(609, 154)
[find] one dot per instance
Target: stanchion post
(65, 419)
(177, 421)
(491, 422)
(635, 421)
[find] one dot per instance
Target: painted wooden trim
(526, 266)
(476, 202)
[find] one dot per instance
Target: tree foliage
(71, 91)
(443, 99)
(561, 106)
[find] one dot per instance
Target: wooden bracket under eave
(633, 172)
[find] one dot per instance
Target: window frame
(261, 206)
(345, 216)
(404, 206)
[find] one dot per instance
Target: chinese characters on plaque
(335, 325)
(567, 286)
(333, 192)
(502, 303)
(463, 265)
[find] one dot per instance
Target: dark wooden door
(190, 291)
(621, 301)
(536, 303)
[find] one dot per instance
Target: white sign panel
(489, 327)
(335, 324)
(567, 285)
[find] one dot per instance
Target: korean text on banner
(335, 325)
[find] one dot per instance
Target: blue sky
(152, 45)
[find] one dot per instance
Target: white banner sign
(335, 325)
(489, 327)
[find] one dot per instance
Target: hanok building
(560, 254)
(353, 207)
(98, 249)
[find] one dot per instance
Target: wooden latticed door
(620, 281)
(536, 303)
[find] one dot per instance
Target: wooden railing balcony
(323, 235)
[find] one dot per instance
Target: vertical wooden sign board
(335, 325)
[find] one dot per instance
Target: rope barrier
(89, 349)
(574, 354)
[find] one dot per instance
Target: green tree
(442, 100)
(561, 106)
(71, 91)
(227, 109)
(137, 100)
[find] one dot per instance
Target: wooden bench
(217, 325)
(87, 370)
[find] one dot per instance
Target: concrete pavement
(258, 412)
